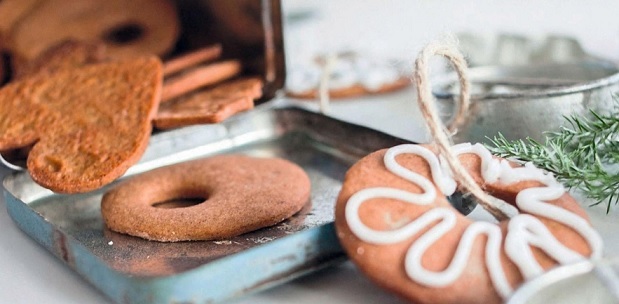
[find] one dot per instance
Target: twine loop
(498, 208)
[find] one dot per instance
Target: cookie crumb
(263, 240)
(225, 242)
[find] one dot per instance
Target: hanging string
(498, 208)
(323, 87)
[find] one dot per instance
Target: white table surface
(30, 274)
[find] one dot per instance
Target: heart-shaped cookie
(88, 124)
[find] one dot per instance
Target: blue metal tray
(132, 270)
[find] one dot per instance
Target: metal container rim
(535, 94)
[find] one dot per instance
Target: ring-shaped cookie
(395, 222)
(127, 28)
(240, 194)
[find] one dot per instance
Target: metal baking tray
(132, 270)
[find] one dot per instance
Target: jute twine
(323, 87)
(498, 209)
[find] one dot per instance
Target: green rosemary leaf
(584, 155)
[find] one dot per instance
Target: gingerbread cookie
(211, 105)
(191, 59)
(11, 13)
(236, 194)
(127, 28)
(198, 77)
(88, 125)
(351, 75)
(394, 221)
(67, 54)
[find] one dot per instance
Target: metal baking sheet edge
(272, 263)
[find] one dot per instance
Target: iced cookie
(351, 75)
(395, 222)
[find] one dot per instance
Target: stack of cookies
(85, 81)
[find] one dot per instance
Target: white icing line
(416, 271)
(531, 201)
(370, 235)
(526, 231)
(445, 182)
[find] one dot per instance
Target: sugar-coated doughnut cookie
(127, 28)
(238, 193)
(395, 222)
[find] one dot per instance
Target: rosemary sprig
(583, 156)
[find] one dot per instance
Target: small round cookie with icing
(395, 222)
(350, 75)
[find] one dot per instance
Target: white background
(29, 274)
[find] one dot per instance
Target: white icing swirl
(524, 230)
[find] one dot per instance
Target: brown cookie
(198, 77)
(210, 105)
(191, 59)
(396, 224)
(236, 194)
(88, 125)
(11, 13)
(349, 75)
(127, 28)
(67, 54)
(356, 90)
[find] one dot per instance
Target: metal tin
(132, 270)
(258, 44)
(249, 30)
(524, 91)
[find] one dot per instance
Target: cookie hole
(182, 202)
(124, 34)
(463, 203)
